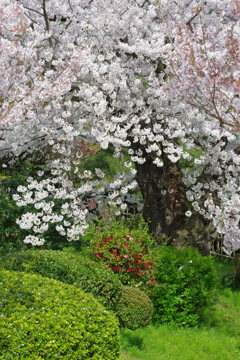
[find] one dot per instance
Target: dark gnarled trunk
(163, 195)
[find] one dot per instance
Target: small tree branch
(188, 23)
(46, 20)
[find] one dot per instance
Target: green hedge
(185, 285)
(134, 308)
(43, 318)
(84, 273)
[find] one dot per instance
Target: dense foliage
(11, 235)
(93, 278)
(126, 247)
(134, 308)
(45, 319)
(185, 284)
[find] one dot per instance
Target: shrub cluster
(93, 278)
(126, 250)
(185, 282)
(45, 319)
(10, 233)
(126, 257)
(134, 308)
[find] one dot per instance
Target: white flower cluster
(34, 240)
(226, 221)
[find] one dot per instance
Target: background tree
(156, 77)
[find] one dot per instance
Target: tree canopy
(158, 78)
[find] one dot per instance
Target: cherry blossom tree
(159, 78)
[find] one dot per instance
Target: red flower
(131, 256)
(117, 268)
(153, 281)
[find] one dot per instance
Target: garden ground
(217, 336)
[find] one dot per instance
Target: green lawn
(164, 342)
(218, 336)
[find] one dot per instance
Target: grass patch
(217, 337)
(165, 342)
(225, 314)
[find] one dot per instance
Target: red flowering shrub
(127, 254)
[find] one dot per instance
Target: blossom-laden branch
(205, 67)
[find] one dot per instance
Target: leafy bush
(46, 319)
(236, 278)
(185, 282)
(226, 269)
(11, 235)
(71, 269)
(134, 308)
(125, 246)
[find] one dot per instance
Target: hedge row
(132, 306)
(84, 273)
(45, 319)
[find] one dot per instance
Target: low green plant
(171, 343)
(226, 272)
(126, 247)
(185, 284)
(10, 233)
(215, 337)
(45, 319)
(69, 268)
(224, 314)
(134, 308)
(236, 279)
(11, 236)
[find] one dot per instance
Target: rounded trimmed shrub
(134, 308)
(185, 284)
(43, 318)
(84, 273)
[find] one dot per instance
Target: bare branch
(69, 3)
(33, 10)
(46, 20)
(188, 23)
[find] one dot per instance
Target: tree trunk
(163, 195)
